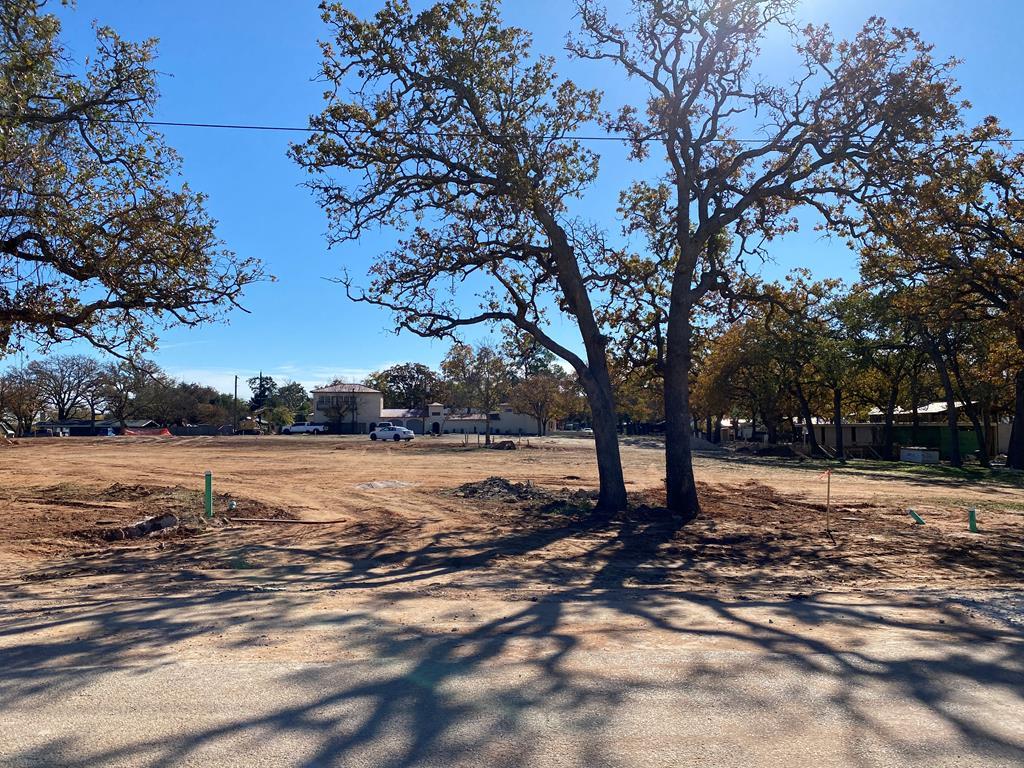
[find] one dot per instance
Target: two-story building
(356, 409)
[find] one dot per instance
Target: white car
(391, 432)
(304, 428)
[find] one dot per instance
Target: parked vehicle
(386, 431)
(304, 428)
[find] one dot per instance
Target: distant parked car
(586, 431)
(304, 428)
(387, 431)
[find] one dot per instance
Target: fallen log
(141, 528)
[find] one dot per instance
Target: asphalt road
(499, 695)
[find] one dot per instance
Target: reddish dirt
(763, 523)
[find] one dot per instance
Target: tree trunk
(947, 386)
(718, 429)
(707, 428)
(915, 396)
(805, 412)
(612, 494)
(837, 419)
(680, 488)
(1015, 451)
(992, 439)
(979, 434)
(594, 375)
(887, 431)
(971, 411)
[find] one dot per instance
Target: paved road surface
(813, 682)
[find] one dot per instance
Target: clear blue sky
(251, 61)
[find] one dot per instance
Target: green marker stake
(917, 518)
(209, 494)
(972, 519)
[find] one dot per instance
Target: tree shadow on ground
(978, 479)
(557, 676)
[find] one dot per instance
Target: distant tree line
(478, 378)
(61, 387)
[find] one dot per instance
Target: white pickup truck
(304, 428)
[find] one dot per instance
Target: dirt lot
(396, 511)
(437, 605)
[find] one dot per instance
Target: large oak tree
(741, 152)
(98, 240)
(445, 126)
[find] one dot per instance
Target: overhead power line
(441, 134)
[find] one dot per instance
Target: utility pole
(235, 404)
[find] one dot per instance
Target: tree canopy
(98, 239)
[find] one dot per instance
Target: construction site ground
(435, 603)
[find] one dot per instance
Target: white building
(357, 409)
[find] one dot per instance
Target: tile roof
(346, 388)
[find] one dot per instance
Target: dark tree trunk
(1015, 451)
(979, 434)
(955, 458)
(887, 430)
(707, 428)
(612, 494)
(915, 397)
(594, 374)
(971, 411)
(837, 419)
(680, 488)
(718, 430)
(805, 412)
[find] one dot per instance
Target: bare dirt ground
(763, 523)
(457, 617)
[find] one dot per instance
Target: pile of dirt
(499, 489)
(70, 518)
(503, 445)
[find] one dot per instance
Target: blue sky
(251, 61)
